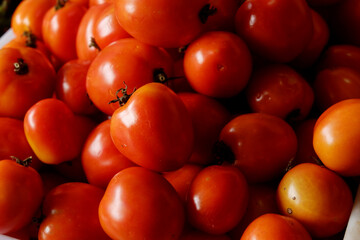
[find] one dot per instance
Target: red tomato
(217, 199)
(153, 129)
(100, 158)
(275, 227)
(59, 29)
(54, 132)
(218, 64)
(162, 23)
(99, 2)
(336, 134)
(127, 60)
(317, 197)
(208, 117)
(141, 204)
(224, 19)
(336, 84)
(277, 30)
(198, 235)
(26, 76)
(341, 56)
(71, 212)
(279, 90)
(21, 190)
(259, 144)
(28, 16)
(71, 87)
(72, 170)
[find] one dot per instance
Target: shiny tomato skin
(100, 159)
(218, 64)
(140, 204)
(21, 195)
(341, 55)
(217, 199)
(153, 129)
(275, 30)
(33, 85)
(317, 197)
(199, 235)
(336, 134)
(276, 227)
(71, 212)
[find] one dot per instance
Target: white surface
(353, 228)
(9, 35)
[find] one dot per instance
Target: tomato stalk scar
(205, 12)
(20, 67)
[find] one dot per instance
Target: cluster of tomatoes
(181, 119)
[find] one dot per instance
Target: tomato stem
(20, 67)
(94, 44)
(205, 12)
(26, 162)
(60, 4)
(125, 96)
(30, 39)
(223, 153)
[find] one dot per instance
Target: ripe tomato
(217, 199)
(162, 23)
(276, 227)
(224, 19)
(126, 60)
(259, 144)
(59, 29)
(140, 204)
(218, 64)
(26, 76)
(277, 30)
(341, 56)
(153, 129)
(279, 90)
(198, 235)
(54, 132)
(71, 212)
(101, 160)
(21, 190)
(317, 197)
(336, 134)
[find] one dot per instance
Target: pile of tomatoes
(181, 119)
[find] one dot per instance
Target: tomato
(312, 194)
(21, 190)
(127, 60)
(259, 144)
(336, 134)
(54, 132)
(276, 227)
(26, 76)
(71, 211)
(198, 235)
(336, 84)
(71, 87)
(162, 23)
(59, 29)
(100, 158)
(276, 30)
(72, 170)
(153, 110)
(13, 141)
(217, 199)
(279, 90)
(139, 203)
(208, 117)
(224, 19)
(28, 16)
(218, 64)
(98, 2)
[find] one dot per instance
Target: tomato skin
(336, 134)
(71, 212)
(262, 145)
(279, 90)
(218, 64)
(54, 132)
(275, 30)
(139, 203)
(311, 194)
(101, 160)
(38, 83)
(217, 199)
(153, 110)
(126, 60)
(341, 55)
(276, 227)
(199, 235)
(22, 193)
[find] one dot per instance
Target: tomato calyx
(20, 67)
(125, 96)
(223, 153)
(30, 39)
(60, 4)
(205, 12)
(26, 162)
(94, 44)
